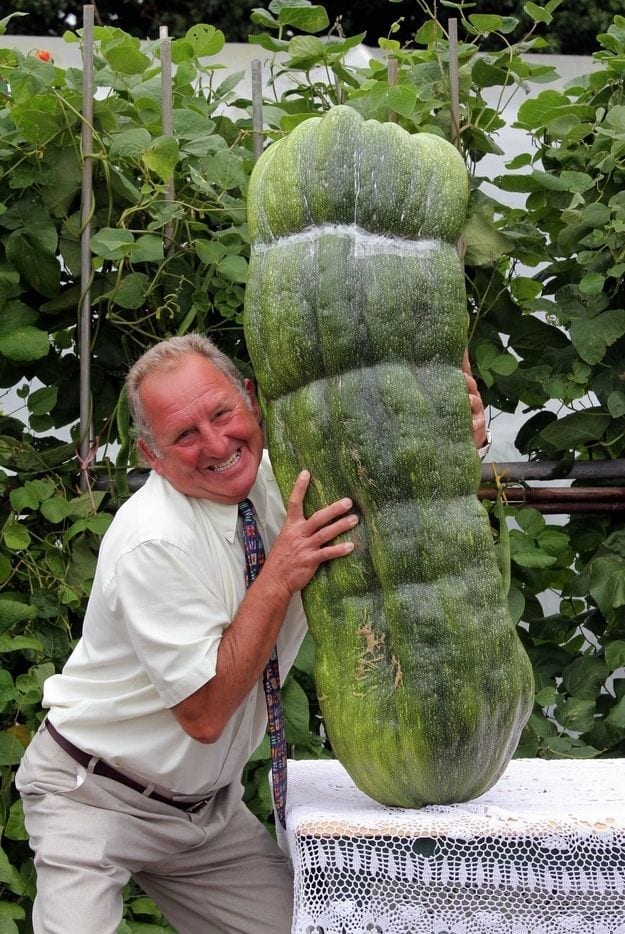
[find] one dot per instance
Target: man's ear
(148, 455)
(251, 392)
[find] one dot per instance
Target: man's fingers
(340, 550)
(327, 515)
(329, 531)
(295, 505)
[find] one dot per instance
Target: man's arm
(302, 545)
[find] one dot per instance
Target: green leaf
(233, 268)
(607, 583)
(13, 612)
(38, 268)
(263, 18)
(86, 504)
(305, 660)
(576, 714)
(15, 829)
(263, 752)
(516, 602)
(132, 290)
(296, 713)
(402, 99)
(592, 283)
(42, 401)
(11, 750)
(531, 521)
(39, 116)
(616, 403)
(24, 344)
(55, 509)
(306, 52)
(15, 536)
(205, 40)
(19, 643)
(23, 498)
(486, 22)
(11, 878)
(308, 18)
(537, 13)
(547, 696)
(162, 157)
(615, 654)
(130, 143)
(125, 57)
(533, 558)
(112, 243)
(484, 244)
(210, 252)
(226, 171)
(576, 429)
(616, 717)
(592, 336)
(563, 747)
(584, 677)
(554, 541)
(148, 248)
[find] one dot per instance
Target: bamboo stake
(87, 439)
(392, 69)
(257, 108)
(167, 125)
(454, 92)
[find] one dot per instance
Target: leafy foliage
(572, 32)
(545, 286)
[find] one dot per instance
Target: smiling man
(136, 770)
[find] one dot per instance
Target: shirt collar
(225, 517)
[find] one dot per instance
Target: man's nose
(214, 441)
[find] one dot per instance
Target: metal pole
(167, 125)
(553, 470)
(87, 439)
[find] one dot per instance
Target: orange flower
(43, 55)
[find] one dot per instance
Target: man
(136, 770)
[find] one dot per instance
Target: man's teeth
(224, 466)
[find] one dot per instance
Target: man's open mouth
(225, 465)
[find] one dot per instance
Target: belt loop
(91, 764)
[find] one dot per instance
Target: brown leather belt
(108, 771)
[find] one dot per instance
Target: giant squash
(356, 324)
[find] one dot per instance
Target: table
(543, 852)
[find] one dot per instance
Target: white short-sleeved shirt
(170, 578)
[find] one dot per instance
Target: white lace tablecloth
(543, 852)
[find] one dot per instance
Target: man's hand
(304, 544)
(481, 437)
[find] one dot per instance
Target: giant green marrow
(356, 324)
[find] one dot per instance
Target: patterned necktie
(255, 558)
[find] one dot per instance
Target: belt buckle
(198, 805)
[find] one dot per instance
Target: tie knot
(246, 511)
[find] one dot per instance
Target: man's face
(208, 435)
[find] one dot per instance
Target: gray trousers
(216, 870)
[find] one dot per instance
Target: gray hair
(165, 356)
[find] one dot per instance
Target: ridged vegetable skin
(356, 325)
